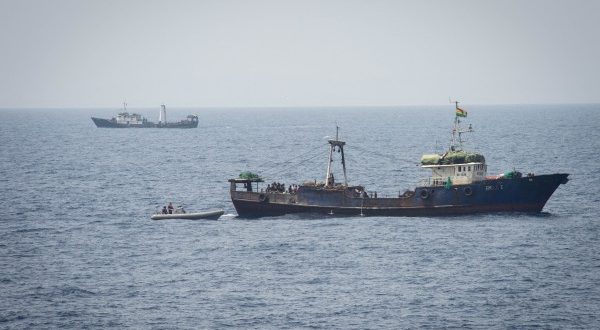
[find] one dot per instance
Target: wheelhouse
(457, 173)
(250, 185)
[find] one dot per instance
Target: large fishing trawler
(133, 120)
(458, 184)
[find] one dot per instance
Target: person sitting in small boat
(170, 208)
(164, 210)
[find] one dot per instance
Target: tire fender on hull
(468, 191)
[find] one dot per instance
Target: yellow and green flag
(460, 112)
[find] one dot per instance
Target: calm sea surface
(78, 249)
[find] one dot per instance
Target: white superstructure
(458, 173)
(127, 118)
(455, 166)
(130, 118)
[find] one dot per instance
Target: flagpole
(455, 129)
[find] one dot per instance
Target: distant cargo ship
(458, 184)
(133, 120)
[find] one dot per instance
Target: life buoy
(468, 191)
(424, 194)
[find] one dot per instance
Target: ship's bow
(100, 122)
(538, 189)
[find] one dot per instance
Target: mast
(332, 144)
(458, 129)
(453, 145)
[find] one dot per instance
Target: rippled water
(77, 247)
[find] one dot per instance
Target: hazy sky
(297, 53)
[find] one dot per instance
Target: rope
(279, 167)
(287, 167)
(387, 156)
(276, 164)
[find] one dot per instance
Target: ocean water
(78, 249)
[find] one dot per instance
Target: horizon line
(295, 106)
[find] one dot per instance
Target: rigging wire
(387, 156)
(276, 163)
(279, 167)
(286, 168)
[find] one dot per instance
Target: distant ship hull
(526, 194)
(108, 123)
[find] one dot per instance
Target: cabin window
(469, 168)
(459, 168)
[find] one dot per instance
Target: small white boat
(209, 215)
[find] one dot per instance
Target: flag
(460, 112)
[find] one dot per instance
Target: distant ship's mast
(329, 182)
(458, 130)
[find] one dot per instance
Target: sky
(297, 53)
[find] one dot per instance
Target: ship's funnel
(162, 116)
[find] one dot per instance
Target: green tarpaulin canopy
(452, 157)
(249, 176)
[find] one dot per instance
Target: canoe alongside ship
(133, 120)
(459, 184)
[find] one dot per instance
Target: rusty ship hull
(525, 194)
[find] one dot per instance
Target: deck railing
(431, 182)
